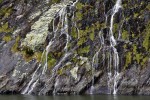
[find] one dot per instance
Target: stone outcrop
(27, 27)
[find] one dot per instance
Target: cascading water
(31, 83)
(95, 59)
(113, 58)
(112, 54)
(46, 56)
(62, 14)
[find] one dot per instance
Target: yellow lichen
(146, 42)
(128, 59)
(84, 50)
(7, 38)
(5, 28)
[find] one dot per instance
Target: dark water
(74, 97)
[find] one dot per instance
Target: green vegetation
(5, 12)
(148, 6)
(62, 70)
(82, 40)
(79, 15)
(55, 1)
(134, 55)
(146, 42)
(27, 53)
(7, 38)
(84, 50)
(128, 59)
(125, 35)
(1, 1)
(5, 28)
(51, 61)
(16, 44)
(74, 32)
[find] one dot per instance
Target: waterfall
(63, 23)
(64, 19)
(62, 60)
(95, 59)
(33, 86)
(113, 58)
(34, 79)
(31, 83)
(62, 29)
(112, 54)
(46, 56)
(115, 10)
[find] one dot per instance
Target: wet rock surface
(28, 26)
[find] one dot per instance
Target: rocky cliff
(75, 47)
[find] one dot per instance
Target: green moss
(92, 36)
(83, 33)
(134, 48)
(136, 15)
(144, 60)
(82, 37)
(63, 69)
(60, 71)
(115, 29)
(59, 54)
(5, 28)
(88, 33)
(74, 60)
(38, 56)
(84, 50)
(146, 42)
(79, 15)
(138, 58)
(148, 6)
(27, 53)
(128, 59)
(81, 41)
(5, 12)
(92, 33)
(51, 61)
(74, 32)
(53, 2)
(16, 44)
(125, 35)
(1, 1)
(133, 35)
(79, 5)
(7, 38)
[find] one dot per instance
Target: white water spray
(64, 30)
(113, 58)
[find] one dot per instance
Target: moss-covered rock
(80, 51)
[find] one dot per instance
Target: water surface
(73, 97)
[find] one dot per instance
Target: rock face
(65, 47)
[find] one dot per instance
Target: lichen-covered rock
(40, 29)
(62, 46)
